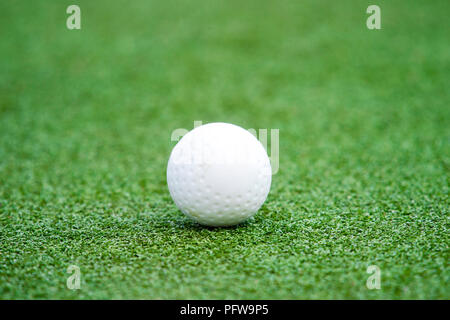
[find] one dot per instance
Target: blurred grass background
(85, 123)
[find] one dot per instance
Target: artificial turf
(86, 118)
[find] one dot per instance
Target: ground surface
(85, 124)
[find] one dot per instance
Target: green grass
(85, 124)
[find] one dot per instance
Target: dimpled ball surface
(219, 174)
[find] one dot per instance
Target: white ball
(219, 174)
